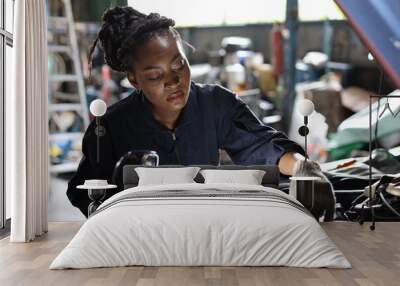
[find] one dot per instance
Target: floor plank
(375, 257)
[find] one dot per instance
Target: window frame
(6, 39)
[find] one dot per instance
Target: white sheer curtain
(27, 123)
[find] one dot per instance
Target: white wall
(219, 12)
(214, 12)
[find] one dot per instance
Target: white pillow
(247, 177)
(162, 176)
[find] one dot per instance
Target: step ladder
(76, 103)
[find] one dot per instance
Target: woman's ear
(132, 80)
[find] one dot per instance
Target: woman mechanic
(184, 122)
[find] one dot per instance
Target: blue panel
(377, 22)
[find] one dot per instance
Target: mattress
(201, 225)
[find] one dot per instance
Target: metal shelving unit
(65, 25)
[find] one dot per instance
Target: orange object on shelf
(346, 164)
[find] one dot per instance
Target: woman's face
(162, 71)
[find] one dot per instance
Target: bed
(201, 224)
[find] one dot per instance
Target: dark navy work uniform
(213, 118)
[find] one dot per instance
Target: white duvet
(183, 231)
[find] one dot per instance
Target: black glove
(324, 195)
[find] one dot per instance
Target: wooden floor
(375, 257)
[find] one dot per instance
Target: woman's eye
(154, 78)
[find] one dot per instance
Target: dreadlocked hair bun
(123, 29)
